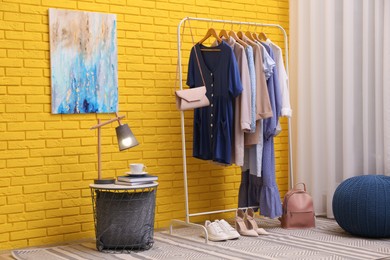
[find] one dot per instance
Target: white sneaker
(228, 229)
(215, 233)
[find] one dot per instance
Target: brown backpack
(298, 210)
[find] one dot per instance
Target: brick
(79, 235)
(4, 183)
(75, 219)
(41, 188)
(12, 99)
(46, 240)
(12, 209)
(11, 108)
(19, 90)
(61, 4)
(12, 136)
(86, 209)
(28, 180)
(7, 154)
(62, 212)
(3, 219)
(44, 223)
(23, 71)
(9, 7)
(32, 2)
(25, 126)
(26, 144)
(60, 160)
(21, 198)
(20, 17)
(68, 194)
(80, 150)
(47, 169)
(151, 12)
(36, 63)
(36, 206)
(13, 26)
(64, 229)
(77, 133)
(35, 54)
(9, 81)
(76, 202)
(47, 134)
(29, 45)
(29, 36)
(14, 244)
(31, 233)
(124, 10)
(46, 152)
(76, 176)
(9, 62)
(93, 7)
(62, 125)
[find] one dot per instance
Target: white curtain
(340, 92)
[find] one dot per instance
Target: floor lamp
(126, 140)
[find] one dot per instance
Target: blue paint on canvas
(83, 62)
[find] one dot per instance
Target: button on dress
(213, 125)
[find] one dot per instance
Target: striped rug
(326, 241)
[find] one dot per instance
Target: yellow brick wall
(47, 161)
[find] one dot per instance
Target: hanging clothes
(275, 99)
(263, 105)
(283, 79)
(213, 125)
(270, 203)
(252, 74)
(250, 187)
(255, 152)
(263, 191)
(242, 103)
(268, 62)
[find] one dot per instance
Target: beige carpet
(326, 241)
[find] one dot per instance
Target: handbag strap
(196, 55)
(303, 184)
(177, 63)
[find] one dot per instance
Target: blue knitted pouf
(361, 206)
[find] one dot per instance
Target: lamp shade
(126, 139)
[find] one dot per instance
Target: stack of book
(133, 179)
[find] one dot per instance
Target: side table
(124, 216)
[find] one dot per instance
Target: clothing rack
(188, 214)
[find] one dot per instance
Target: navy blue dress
(213, 125)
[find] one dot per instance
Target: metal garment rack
(188, 215)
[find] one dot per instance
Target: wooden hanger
(255, 37)
(234, 36)
(263, 36)
(240, 34)
(249, 35)
(223, 33)
(211, 32)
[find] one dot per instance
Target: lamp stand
(101, 180)
(126, 140)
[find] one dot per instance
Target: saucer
(141, 173)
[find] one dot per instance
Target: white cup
(137, 168)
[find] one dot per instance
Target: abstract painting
(84, 63)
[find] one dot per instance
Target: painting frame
(83, 62)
